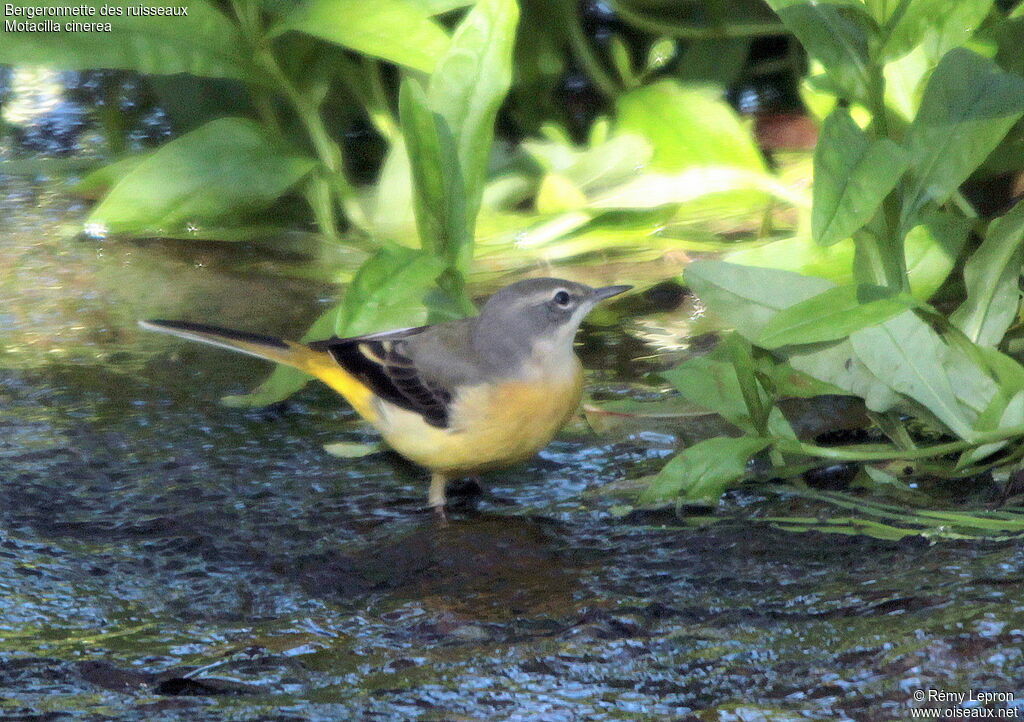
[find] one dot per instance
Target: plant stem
(320, 198)
(327, 150)
(880, 452)
(378, 106)
(887, 258)
(601, 78)
(248, 15)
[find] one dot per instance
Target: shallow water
(163, 557)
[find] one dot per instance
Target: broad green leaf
(906, 28)
(226, 167)
(903, 80)
(882, 10)
(799, 254)
(688, 126)
(622, 61)
(704, 471)
(438, 7)
(467, 88)
(954, 26)
(1003, 414)
(931, 249)
(968, 106)
(834, 33)
(557, 194)
(788, 383)
(392, 211)
(395, 288)
(992, 276)
(439, 191)
(1007, 371)
(747, 298)
(969, 375)
(833, 315)
(837, 364)
(852, 175)
(652, 190)
(596, 167)
(105, 177)
(712, 384)
(910, 357)
(204, 43)
(401, 31)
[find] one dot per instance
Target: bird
(457, 398)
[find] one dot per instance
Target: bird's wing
(386, 363)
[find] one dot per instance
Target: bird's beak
(601, 294)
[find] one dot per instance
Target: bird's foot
(441, 516)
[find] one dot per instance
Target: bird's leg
(437, 498)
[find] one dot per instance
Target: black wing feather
(379, 362)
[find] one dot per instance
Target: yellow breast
(491, 425)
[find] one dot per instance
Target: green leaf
(225, 167)
(202, 43)
(968, 106)
(401, 31)
(1007, 371)
(852, 175)
(969, 375)
(747, 298)
(931, 249)
(688, 126)
(833, 315)
(905, 28)
(837, 364)
(712, 382)
(439, 191)
(910, 357)
(391, 204)
(660, 54)
(622, 61)
(468, 87)
(105, 177)
(438, 7)
(395, 288)
(653, 190)
(834, 33)
(596, 167)
(704, 471)
(954, 26)
(992, 277)
(1001, 414)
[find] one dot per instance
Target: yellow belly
(490, 426)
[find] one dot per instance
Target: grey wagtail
(459, 397)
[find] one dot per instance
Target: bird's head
(539, 314)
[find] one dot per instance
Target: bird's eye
(562, 298)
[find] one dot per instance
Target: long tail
(319, 364)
